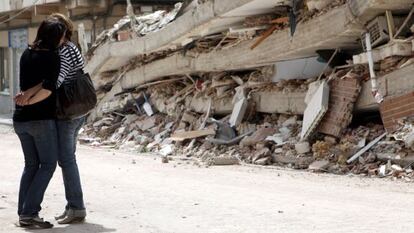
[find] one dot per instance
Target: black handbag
(76, 97)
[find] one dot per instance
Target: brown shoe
(73, 216)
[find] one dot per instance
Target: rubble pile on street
(170, 127)
(229, 117)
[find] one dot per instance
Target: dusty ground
(130, 193)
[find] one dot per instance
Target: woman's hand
(22, 99)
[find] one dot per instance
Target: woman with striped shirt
(71, 62)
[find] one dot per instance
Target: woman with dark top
(71, 62)
(35, 123)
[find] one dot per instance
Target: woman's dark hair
(49, 34)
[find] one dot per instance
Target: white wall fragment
(315, 110)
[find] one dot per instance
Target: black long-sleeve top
(38, 66)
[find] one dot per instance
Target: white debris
(167, 149)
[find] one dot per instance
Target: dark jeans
(67, 136)
(39, 144)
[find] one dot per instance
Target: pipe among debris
(374, 81)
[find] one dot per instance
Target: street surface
(137, 193)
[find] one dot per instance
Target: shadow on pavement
(78, 228)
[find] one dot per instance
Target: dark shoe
(35, 222)
(62, 216)
(73, 216)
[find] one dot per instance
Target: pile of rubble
(226, 117)
(161, 117)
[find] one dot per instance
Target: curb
(8, 122)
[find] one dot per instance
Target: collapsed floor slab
(340, 27)
(206, 18)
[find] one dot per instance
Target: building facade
(19, 20)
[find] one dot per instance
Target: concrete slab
(238, 113)
(397, 48)
(395, 83)
(315, 110)
(339, 28)
(206, 18)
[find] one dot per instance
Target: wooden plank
(265, 35)
(181, 136)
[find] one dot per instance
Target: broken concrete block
(188, 117)
(264, 161)
(263, 153)
(289, 122)
(396, 48)
(164, 159)
(139, 148)
(238, 113)
(409, 141)
(299, 162)
(147, 123)
(225, 160)
(240, 94)
(128, 146)
(130, 118)
(313, 87)
(159, 137)
(278, 151)
(395, 158)
(224, 131)
(181, 136)
(258, 136)
(317, 4)
(277, 138)
(167, 150)
(245, 127)
(319, 165)
(148, 109)
(302, 147)
(329, 139)
(315, 110)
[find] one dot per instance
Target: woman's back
(38, 66)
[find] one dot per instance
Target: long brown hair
(68, 23)
(49, 34)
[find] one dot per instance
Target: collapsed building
(323, 85)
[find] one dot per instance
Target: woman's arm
(41, 95)
(65, 64)
(46, 88)
(23, 97)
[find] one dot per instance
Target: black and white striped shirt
(71, 61)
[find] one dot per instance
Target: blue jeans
(40, 149)
(67, 136)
